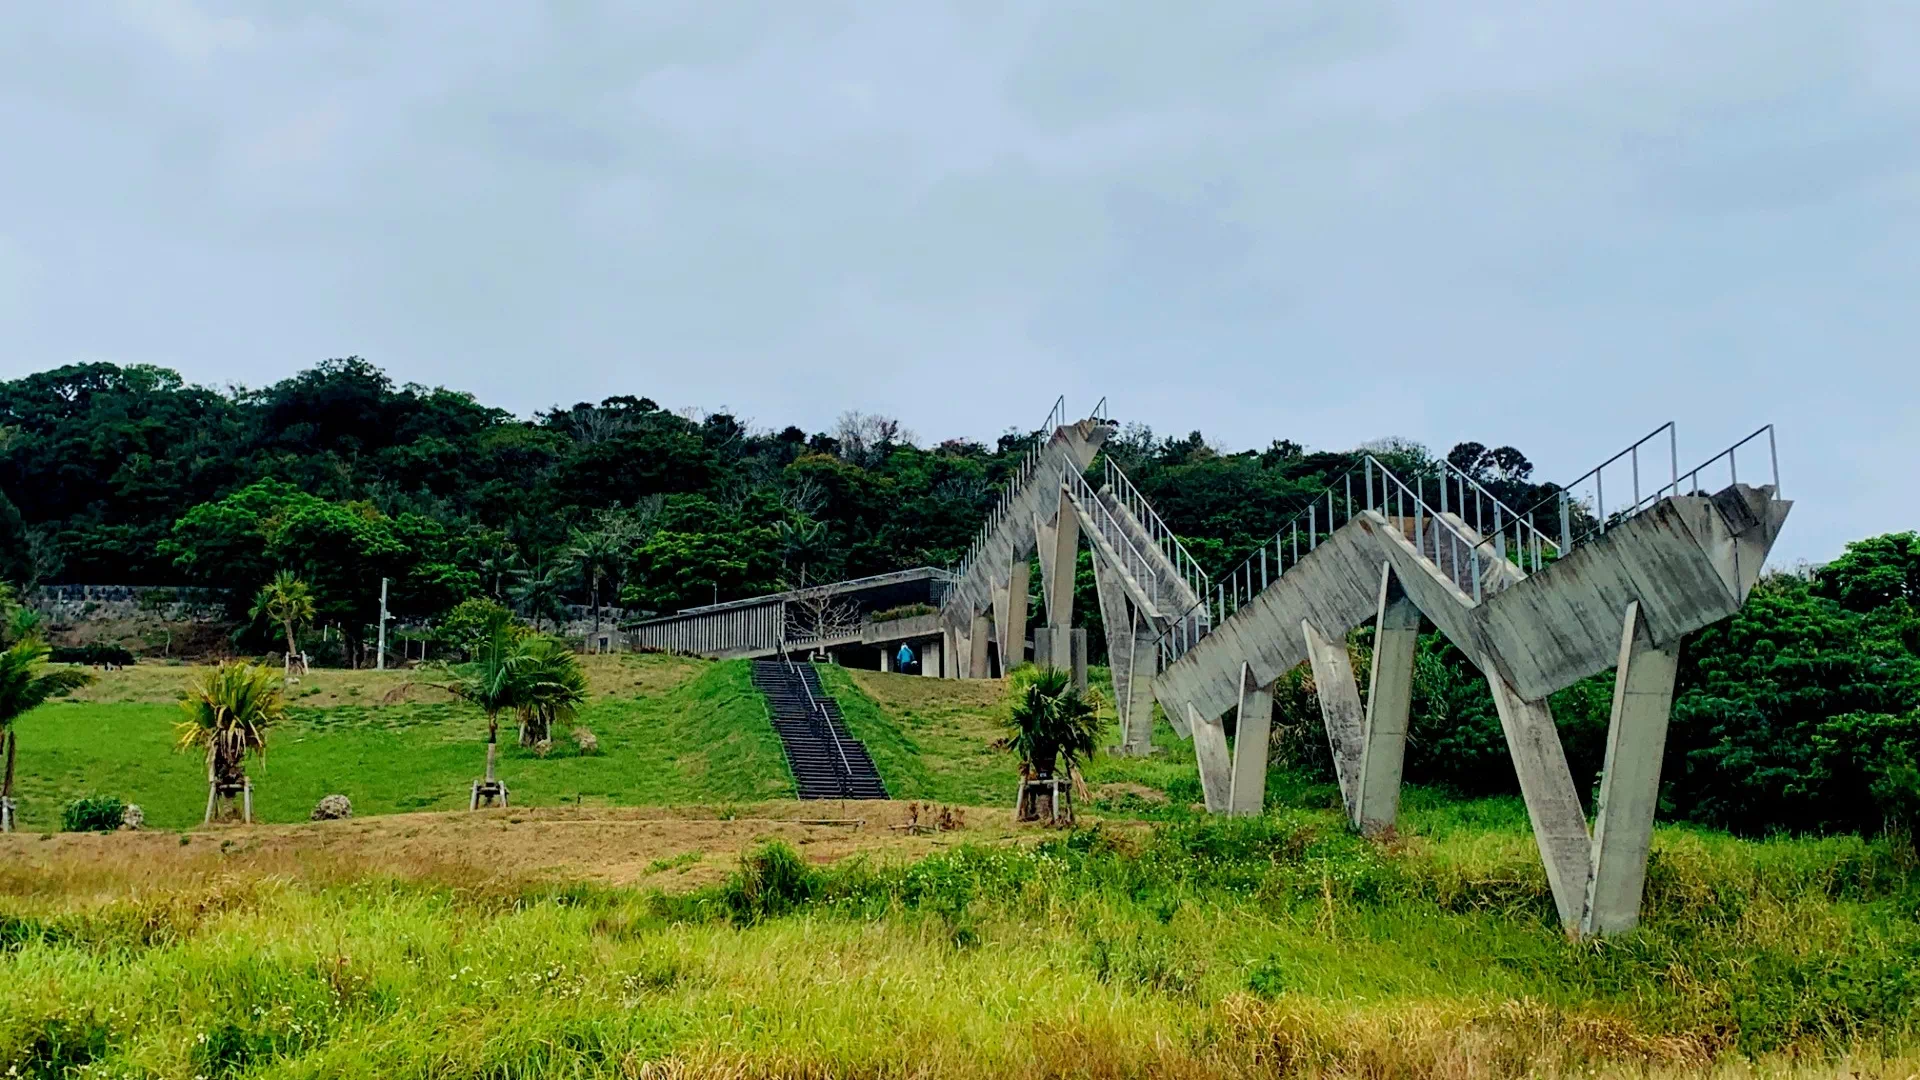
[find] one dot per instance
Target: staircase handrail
(1332, 507)
(817, 716)
(1157, 529)
(1531, 549)
(1029, 464)
(1140, 569)
(1597, 520)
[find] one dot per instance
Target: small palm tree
(26, 683)
(287, 601)
(549, 686)
(491, 682)
(1052, 724)
(538, 594)
(1053, 727)
(229, 709)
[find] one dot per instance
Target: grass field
(651, 915)
(670, 730)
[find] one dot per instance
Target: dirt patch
(672, 849)
(1123, 790)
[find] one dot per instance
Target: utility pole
(380, 661)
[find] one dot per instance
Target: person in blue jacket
(903, 658)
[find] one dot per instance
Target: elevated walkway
(1535, 611)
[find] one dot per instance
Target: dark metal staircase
(827, 761)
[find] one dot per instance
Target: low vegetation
(1200, 947)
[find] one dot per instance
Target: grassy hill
(671, 730)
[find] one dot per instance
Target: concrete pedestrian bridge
(1609, 573)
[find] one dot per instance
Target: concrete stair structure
(826, 760)
(1535, 615)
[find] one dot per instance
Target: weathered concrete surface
(1015, 537)
(1340, 709)
(1216, 765)
(1253, 729)
(1630, 785)
(1396, 638)
(1559, 823)
(1333, 587)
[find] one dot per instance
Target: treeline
(1803, 711)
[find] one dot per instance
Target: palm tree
(229, 709)
(537, 592)
(25, 684)
(1052, 728)
(599, 552)
(288, 601)
(490, 681)
(549, 685)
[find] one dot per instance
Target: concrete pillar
(1254, 726)
(1078, 638)
(1060, 562)
(1396, 639)
(1216, 765)
(1630, 786)
(1559, 824)
(977, 649)
(1043, 646)
(1340, 709)
(1133, 666)
(1013, 636)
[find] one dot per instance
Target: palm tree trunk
(493, 738)
(596, 617)
(10, 737)
(291, 649)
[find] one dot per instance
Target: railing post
(1566, 525)
(1313, 524)
(1475, 559)
(1263, 568)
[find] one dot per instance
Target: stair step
(821, 769)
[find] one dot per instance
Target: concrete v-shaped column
(1630, 786)
(977, 647)
(1252, 730)
(1216, 766)
(1340, 710)
(1546, 784)
(1396, 639)
(1010, 615)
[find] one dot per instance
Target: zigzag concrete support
(1630, 785)
(1059, 561)
(1340, 709)
(1546, 784)
(1621, 600)
(1396, 638)
(1253, 728)
(1010, 616)
(1215, 762)
(977, 649)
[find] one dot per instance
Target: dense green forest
(1800, 712)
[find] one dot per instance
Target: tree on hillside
(229, 709)
(603, 549)
(26, 683)
(287, 602)
(548, 685)
(492, 682)
(539, 593)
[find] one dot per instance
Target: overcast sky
(1551, 225)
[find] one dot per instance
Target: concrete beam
(1396, 639)
(1216, 765)
(1131, 658)
(1340, 709)
(1630, 786)
(1252, 730)
(1059, 562)
(1559, 824)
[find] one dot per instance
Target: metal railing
(1637, 480)
(1145, 573)
(1127, 495)
(1010, 491)
(1464, 554)
(818, 719)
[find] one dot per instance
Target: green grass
(1281, 945)
(706, 740)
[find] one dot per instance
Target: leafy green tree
(473, 621)
(1874, 573)
(539, 593)
(288, 603)
(26, 683)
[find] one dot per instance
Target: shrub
(95, 653)
(93, 813)
(904, 611)
(771, 881)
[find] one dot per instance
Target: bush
(771, 881)
(905, 611)
(93, 813)
(96, 653)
